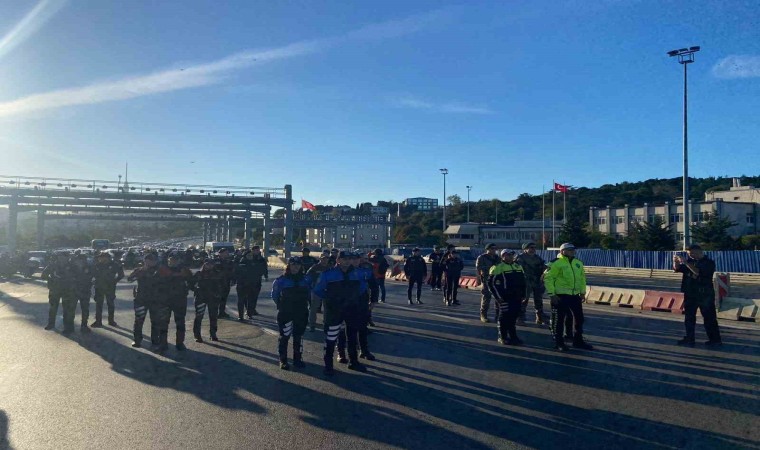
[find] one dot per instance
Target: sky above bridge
(363, 101)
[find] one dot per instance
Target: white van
(214, 247)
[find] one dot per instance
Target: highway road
(441, 381)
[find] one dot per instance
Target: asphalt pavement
(441, 381)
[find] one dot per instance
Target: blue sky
(360, 101)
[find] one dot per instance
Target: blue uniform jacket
(291, 293)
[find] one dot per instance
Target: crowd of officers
(344, 286)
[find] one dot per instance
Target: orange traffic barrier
(626, 298)
(671, 302)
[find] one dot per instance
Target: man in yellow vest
(565, 282)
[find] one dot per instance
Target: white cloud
(208, 73)
(445, 107)
(737, 66)
(33, 21)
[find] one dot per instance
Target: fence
(743, 261)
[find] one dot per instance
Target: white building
(378, 210)
(422, 203)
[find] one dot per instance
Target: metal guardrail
(80, 185)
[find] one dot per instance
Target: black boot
(163, 341)
(578, 342)
(181, 340)
(197, 331)
(298, 352)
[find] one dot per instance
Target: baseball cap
(694, 247)
(490, 245)
(294, 260)
(528, 244)
(507, 251)
(416, 249)
(567, 246)
(306, 249)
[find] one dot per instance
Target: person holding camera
(698, 292)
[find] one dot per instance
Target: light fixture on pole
(444, 172)
(468, 203)
(685, 57)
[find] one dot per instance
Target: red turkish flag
(307, 205)
(560, 188)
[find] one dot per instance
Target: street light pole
(685, 57)
(468, 203)
(444, 172)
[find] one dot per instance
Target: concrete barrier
(468, 282)
(625, 298)
(671, 302)
(744, 309)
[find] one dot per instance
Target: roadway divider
(468, 282)
(625, 298)
(671, 302)
(743, 309)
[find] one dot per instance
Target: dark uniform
(58, 282)
(82, 288)
(363, 310)
(145, 300)
(226, 268)
(307, 261)
(533, 266)
(415, 270)
(452, 268)
(290, 293)
(314, 273)
(248, 275)
(379, 268)
(483, 265)
(175, 284)
(506, 282)
(341, 291)
(207, 287)
(436, 269)
(107, 274)
(699, 294)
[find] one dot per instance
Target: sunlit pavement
(440, 381)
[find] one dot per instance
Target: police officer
(380, 268)
(306, 259)
(176, 281)
(533, 266)
(506, 282)
(248, 275)
(83, 276)
(366, 300)
(55, 275)
(415, 270)
(697, 286)
(340, 288)
(226, 267)
(565, 282)
(107, 274)
(207, 290)
(290, 293)
(145, 297)
(452, 267)
(483, 266)
(436, 269)
(314, 273)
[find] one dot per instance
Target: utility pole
(468, 203)
(444, 172)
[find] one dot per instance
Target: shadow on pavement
(4, 431)
(525, 419)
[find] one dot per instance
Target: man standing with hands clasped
(698, 292)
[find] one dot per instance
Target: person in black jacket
(697, 286)
(248, 275)
(379, 269)
(207, 289)
(55, 273)
(415, 270)
(290, 293)
(176, 281)
(83, 276)
(226, 267)
(436, 268)
(107, 274)
(506, 281)
(452, 268)
(307, 260)
(145, 298)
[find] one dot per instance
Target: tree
(455, 200)
(713, 234)
(750, 242)
(575, 232)
(650, 236)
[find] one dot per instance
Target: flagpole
(554, 214)
(564, 203)
(543, 217)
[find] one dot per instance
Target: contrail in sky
(33, 21)
(212, 72)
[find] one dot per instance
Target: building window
(653, 217)
(343, 237)
(676, 217)
(636, 219)
(750, 218)
(600, 220)
(679, 236)
(619, 219)
(375, 237)
(701, 216)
